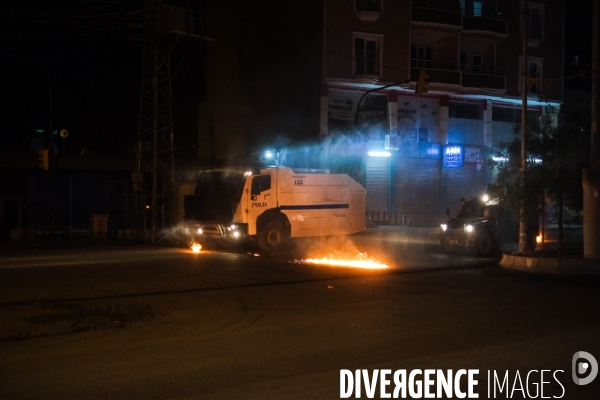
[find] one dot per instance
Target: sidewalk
(541, 262)
(567, 265)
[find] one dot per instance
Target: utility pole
(591, 176)
(524, 93)
(164, 26)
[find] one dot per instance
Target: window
(260, 183)
(505, 114)
(477, 64)
(464, 65)
(465, 110)
(421, 57)
(471, 8)
(368, 5)
(512, 114)
(367, 52)
(535, 23)
(535, 66)
(535, 74)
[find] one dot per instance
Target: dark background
(84, 50)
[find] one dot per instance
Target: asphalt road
(140, 322)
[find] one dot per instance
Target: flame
(340, 252)
(360, 261)
(538, 239)
(196, 247)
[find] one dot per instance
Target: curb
(549, 265)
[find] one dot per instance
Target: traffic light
(422, 82)
(43, 160)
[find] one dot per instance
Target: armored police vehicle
(273, 205)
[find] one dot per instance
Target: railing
(484, 81)
(437, 16)
(439, 75)
(453, 66)
(431, 64)
(481, 69)
(448, 5)
(481, 76)
(485, 24)
(484, 11)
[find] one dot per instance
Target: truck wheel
(484, 244)
(273, 237)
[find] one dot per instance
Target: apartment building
(429, 150)
(298, 70)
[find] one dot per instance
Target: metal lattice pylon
(154, 148)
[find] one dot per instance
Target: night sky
(95, 72)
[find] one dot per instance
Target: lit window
(477, 8)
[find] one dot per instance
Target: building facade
(299, 70)
(429, 150)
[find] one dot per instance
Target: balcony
(447, 5)
(494, 26)
(437, 16)
(438, 71)
(468, 76)
(368, 10)
(369, 16)
(483, 77)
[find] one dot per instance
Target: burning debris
(196, 247)
(346, 255)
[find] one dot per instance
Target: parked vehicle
(273, 205)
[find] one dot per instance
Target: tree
(555, 158)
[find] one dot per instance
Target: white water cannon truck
(274, 204)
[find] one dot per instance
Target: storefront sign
(453, 156)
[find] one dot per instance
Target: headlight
(469, 228)
(199, 231)
(444, 227)
(236, 234)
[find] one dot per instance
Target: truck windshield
(471, 209)
(216, 197)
